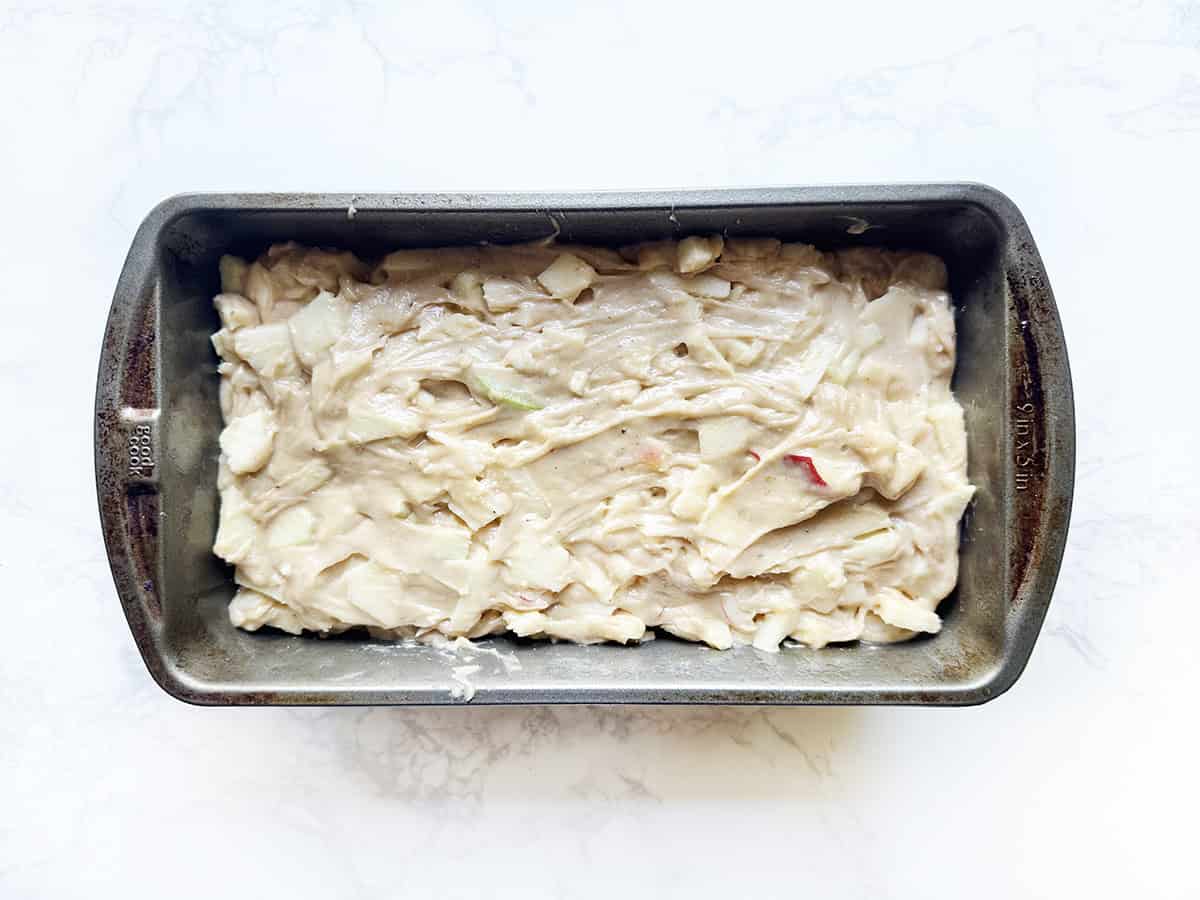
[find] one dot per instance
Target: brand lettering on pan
(141, 452)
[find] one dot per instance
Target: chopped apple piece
(695, 254)
(567, 277)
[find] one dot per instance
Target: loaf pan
(157, 421)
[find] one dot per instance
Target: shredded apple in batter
(735, 441)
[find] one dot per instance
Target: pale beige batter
(734, 441)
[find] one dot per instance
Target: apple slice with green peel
(493, 385)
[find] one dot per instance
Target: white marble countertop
(1079, 782)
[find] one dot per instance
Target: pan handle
(127, 412)
(1041, 439)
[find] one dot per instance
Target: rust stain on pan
(1028, 454)
(139, 388)
(1033, 521)
(142, 509)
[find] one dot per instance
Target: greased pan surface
(157, 421)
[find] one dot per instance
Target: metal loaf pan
(157, 422)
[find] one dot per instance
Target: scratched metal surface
(157, 421)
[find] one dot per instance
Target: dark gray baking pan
(157, 422)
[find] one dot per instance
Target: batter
(734, 441)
